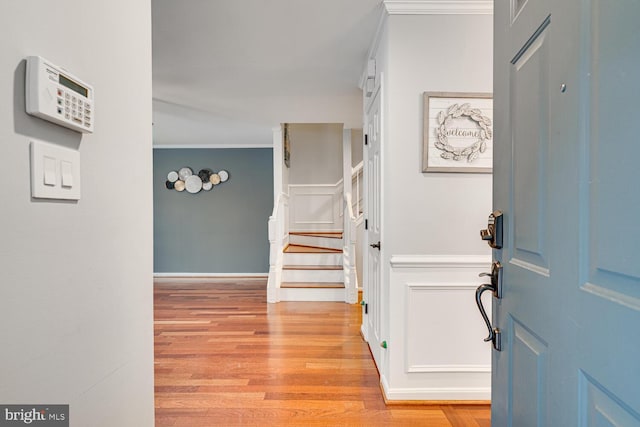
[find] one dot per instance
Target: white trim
(440, 261)
(375, 43)
(450, 368)
(436, 393)
(196, 146)
(210, 275)
(438, 7)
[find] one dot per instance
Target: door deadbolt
(493, 233)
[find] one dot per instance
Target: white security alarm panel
(58, 96)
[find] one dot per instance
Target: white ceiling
(225, 72)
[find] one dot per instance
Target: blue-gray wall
(224, 230)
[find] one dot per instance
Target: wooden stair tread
(310, 249)
(327, 234)
(312, 285)
(312, 267)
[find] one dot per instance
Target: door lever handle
(375, 245)
(496, 278)
(494, 333)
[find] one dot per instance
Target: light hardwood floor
(224, 357)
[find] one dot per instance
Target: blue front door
(567, 178)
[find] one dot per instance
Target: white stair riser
(318, 242)
(300, 294)
(312, 276)
(312, 259)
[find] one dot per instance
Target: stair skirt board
(310, 295)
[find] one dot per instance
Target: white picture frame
(458, 132)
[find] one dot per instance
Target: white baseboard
(204, 277)
(434, 393)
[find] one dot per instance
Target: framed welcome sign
(458, 132)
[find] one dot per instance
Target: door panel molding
(530, 127)
(528, 366)
(600, 407)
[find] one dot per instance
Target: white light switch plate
(55, 171)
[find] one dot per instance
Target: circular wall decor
(215, 179)
(472, 151)
(179, 185)
(193, 184)
(185, 179)
(184, 173)
(172, 176)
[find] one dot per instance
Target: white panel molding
(438, 340)
(438, 7)
(301, 217)
(440, 261)
(464, 290)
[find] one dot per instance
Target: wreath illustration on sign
(470, 152)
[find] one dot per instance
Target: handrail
(356, 182)
(357, 168)
(349, 204)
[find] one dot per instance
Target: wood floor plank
(226, 358)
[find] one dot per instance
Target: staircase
(312, 268)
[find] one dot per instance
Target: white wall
(76, 278)
(316, 153)
(427, 216)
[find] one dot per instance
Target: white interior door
(371, 290)
(566, 168)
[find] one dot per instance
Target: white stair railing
(349, 252)
(278, 234)
(356, 189)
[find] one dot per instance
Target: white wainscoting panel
(444, 329)
(436, 348)
(315, 208)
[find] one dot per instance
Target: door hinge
(366, 139)
(366, 309)
(366, 224)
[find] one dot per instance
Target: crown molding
(438, 7)
(422, 7)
